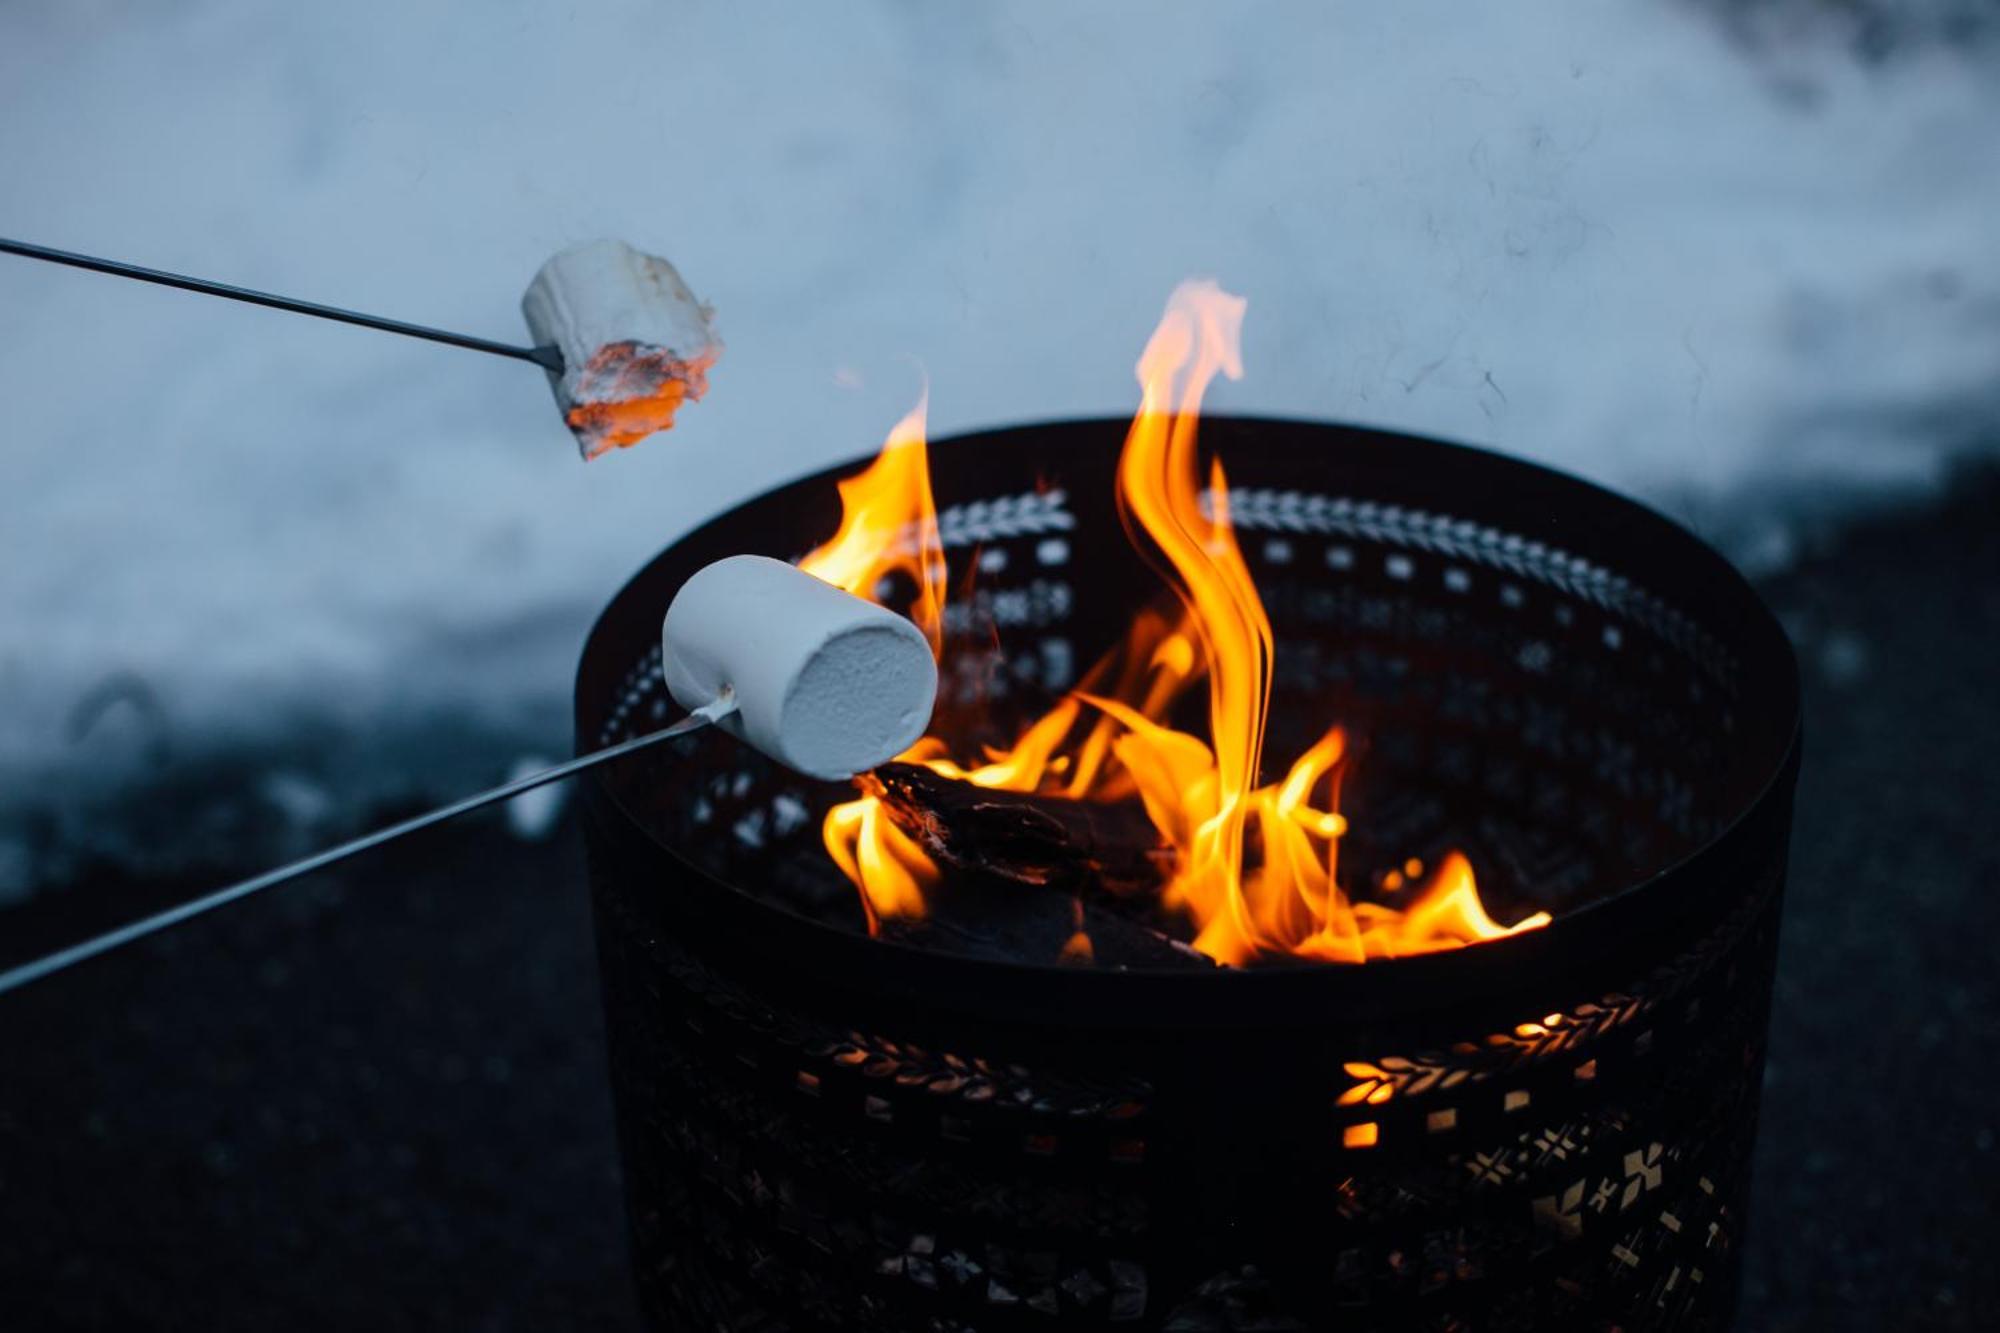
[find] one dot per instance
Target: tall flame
(888, 525)
(1158, 488)
(1255, 865)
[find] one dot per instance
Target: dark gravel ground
(1878, 1171)
(377, 1099)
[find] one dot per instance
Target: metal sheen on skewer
(546, 357)
(14, 978)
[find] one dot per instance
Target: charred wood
(1045, 841)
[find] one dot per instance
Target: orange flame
(888, 525)
(885, 863)
(1255, 865)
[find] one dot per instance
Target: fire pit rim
(1557, 953)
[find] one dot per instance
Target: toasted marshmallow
(635, 343)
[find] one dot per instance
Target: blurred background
(265, 581)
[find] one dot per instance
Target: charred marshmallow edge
(635, 342)
(824, 682)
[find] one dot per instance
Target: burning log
(1024, 837)
(1036, 926)
(1021, 864)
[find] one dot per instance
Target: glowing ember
(634, 343)
(1255, 865)
(627, 392)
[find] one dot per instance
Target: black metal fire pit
(827, 1131)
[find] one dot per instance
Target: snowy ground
(1747, 285)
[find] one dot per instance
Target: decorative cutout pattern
(1252, 509)
(1010, 516)
(789, 1167)
(1602, 1030)
(796, 1157)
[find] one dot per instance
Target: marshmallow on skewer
(635, 342)
(825, 683)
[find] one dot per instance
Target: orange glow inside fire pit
(1255, 864)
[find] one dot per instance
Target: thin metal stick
(547, 357)
(14, 978)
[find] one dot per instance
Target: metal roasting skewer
(16, 977)
(547, 357)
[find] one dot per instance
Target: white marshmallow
(634, 340)
(825, 682)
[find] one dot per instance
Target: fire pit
(828, 1130)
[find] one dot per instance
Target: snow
(1597, 234)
